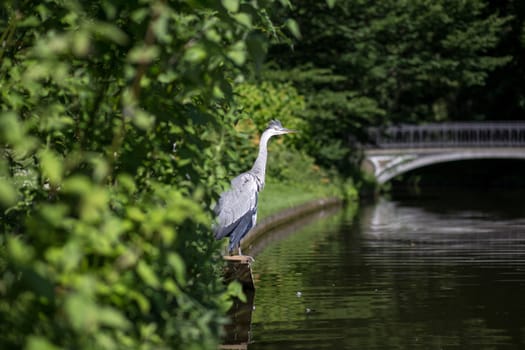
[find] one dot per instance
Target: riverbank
(279, 196)
(281, 203)
(288, 215)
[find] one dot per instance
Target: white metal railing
(458, 134)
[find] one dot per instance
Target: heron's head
(276, 128)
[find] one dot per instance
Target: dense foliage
(503, 95)
(362, 63)
(116, 121)
(121, 121)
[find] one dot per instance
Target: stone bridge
(395, 150)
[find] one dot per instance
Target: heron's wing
(237, 206)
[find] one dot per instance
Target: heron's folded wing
(236, 203)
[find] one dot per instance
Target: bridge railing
(463, 134)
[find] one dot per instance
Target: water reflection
(427, 273)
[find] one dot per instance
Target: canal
(444, 270)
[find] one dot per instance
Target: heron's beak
(289, 131)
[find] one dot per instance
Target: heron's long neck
(259, 167)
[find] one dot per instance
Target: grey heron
(237, 208)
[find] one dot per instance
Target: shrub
(110, 117)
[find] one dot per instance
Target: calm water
(440, 272)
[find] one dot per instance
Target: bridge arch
(407, 162)
(398, 149)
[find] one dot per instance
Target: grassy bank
(278, 196)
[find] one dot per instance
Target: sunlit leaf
(147, 274)
(127, 182)
(112, 318)
(331, 3)
(82, 313)
(231, 5)
(238, 53)
(40, 343)
(81, 43)
(134, 213)
(77, 185)
(109, 31)
(19, 252)
(143, 120)
(8, 193)
(52, 166)
(143, 54)
(195, 54)
(11, 129)
(292, 25)
(244, 19)
(177, 264)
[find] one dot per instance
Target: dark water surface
(445, 271)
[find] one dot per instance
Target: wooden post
(239, 268)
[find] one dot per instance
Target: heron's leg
(240, 252)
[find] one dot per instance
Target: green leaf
(112, 318)
(238, 53)
(195, 54)
(177, 264)
(108, 31)
(81, 43)
(292, 25)
(19, 252)
(29, 21)
(142, 301)
(231, 5)
(147, 274)
(136, 214)
(127, 183)
(77, 185)
(331, 3)
(244, 19)
(8, 193)
(52, 166)
(11, 130)
(143, 120)
(82, 313)
(39, 343)
(143, 54)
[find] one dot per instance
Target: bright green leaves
(51, 166)
(13, 132)
(147, 274)
(8, 193)
(86, 316)
(195, 54)
(91, 200)
(40, 343)
(109, 121)
(143, 54)
(231, 5)
(237, 53)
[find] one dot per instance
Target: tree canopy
(362, 63)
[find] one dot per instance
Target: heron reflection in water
(237, 208)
